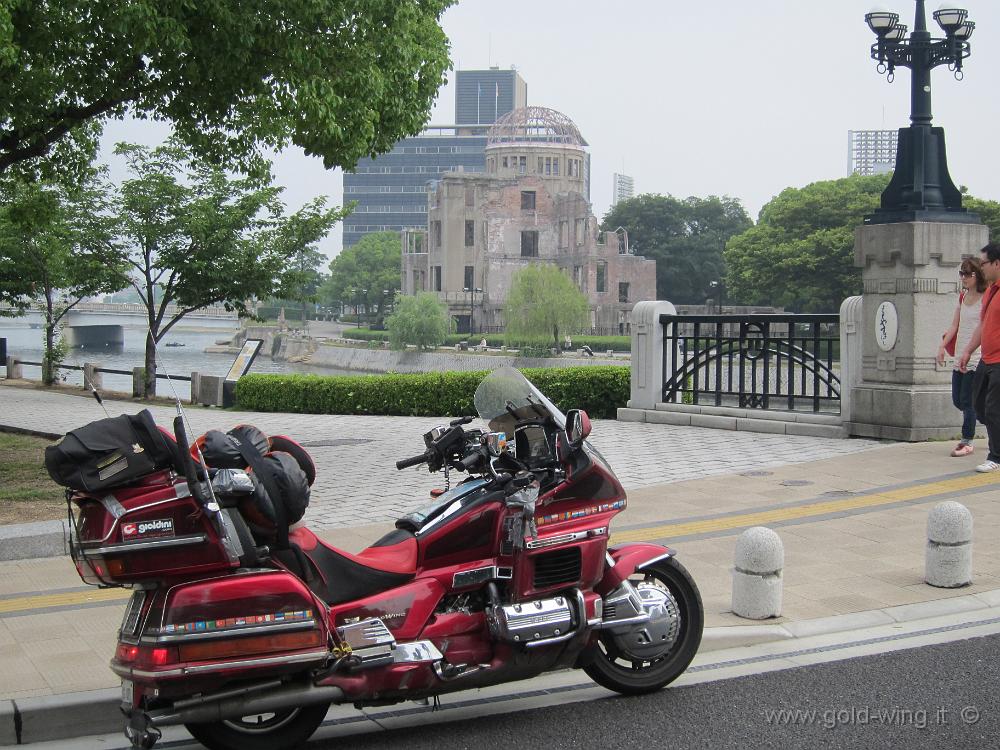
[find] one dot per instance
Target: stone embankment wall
(285, 347)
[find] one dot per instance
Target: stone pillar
(647, 353)
(758, 563)
(14, 369)
(948, 557)
(195, 386)
(137, 377)
(851, 322)
(910, 283)
(91, 377)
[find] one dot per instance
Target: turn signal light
(116, 566)
(145, 657)
(264, 644)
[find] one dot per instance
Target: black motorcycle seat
(337, 576)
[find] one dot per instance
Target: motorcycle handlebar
(407, 462)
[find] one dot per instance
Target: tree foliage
(544, 302)
(800, 254)
(57, 247)
(205, 238)
(685, 237)
(342, 79)
(367, 273)
(421, 320)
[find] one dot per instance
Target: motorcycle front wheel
(280, 730)
(617, 670)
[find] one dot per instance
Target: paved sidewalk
(851, 514)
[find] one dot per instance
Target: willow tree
(544, 302)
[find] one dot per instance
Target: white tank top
(968, 319)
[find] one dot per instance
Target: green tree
(544, 302)
(206, 238)
(340, 78)
(367, 273)
(988, 211)
(800, 254)
(685, 237)
(421, 320)
(56, 246)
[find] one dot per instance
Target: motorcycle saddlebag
(109, 453)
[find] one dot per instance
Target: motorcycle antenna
(214, 504)
(97, 396)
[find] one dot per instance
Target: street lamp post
(471, 296)
(921, 188)
(718, 289)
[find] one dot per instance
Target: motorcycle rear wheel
(281, 730)
(623, 674)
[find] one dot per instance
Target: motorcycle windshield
(506, 397)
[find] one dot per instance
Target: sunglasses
(966, 274)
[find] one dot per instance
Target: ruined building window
(469, 280)
(555, 166)
(522, 166)
(578, 278)
(563, 233)
(540, 162)
(548, 165)
(529, 243)
(602, 276)
(436, 233)
(435, 278)
(470, 195)
(527, 200)
(581, 225)
(623, 291)
(504, 162)
(470, 233)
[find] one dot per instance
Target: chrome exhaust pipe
(234, 704)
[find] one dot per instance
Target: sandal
(963, 449)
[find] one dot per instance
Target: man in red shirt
(986, 385)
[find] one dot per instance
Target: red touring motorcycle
(246, 631)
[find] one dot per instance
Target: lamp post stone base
(910, 281)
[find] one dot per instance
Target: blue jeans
(961, 397)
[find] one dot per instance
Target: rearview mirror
(577, 427)
(496, 443)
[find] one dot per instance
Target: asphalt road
(934, 696)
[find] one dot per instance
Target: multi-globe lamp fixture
(920, 189)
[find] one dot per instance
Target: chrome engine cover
(531, 621)
(644, 620)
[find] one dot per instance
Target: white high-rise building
(871, 151)
(623, 188)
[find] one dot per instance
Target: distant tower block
(623, 188)
(871, 151)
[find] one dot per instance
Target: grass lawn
(27, 493)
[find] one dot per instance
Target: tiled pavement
(357, 481)
(864, 550)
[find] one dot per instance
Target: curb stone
(27, 540)
(97, 711)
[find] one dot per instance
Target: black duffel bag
(110, 453)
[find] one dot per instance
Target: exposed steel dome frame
(536, 125)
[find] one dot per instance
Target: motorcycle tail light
(126, 653)
(264, 644)
(141, 656)
(116, 566)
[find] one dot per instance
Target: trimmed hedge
(599, 390)
(496, 340)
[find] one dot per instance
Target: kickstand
(437, 703)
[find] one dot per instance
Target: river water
(186, 356)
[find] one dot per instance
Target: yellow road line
(42, 601)
(805, 511)
(666, 531)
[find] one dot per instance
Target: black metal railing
(159, 376)
(752, 361)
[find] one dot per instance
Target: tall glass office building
(391, 189)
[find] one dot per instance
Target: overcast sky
(717, 97)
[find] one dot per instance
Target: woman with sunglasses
(963, 323)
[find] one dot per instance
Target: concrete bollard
(138, 374)
(757, 577)
(948, 560)
(91, 377)
(195, 386)
(14, 369)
